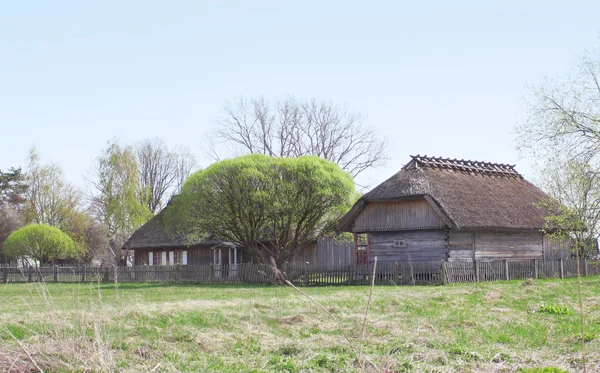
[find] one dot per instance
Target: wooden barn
(152, 245)
(437, 209)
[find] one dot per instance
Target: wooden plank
(408, 214)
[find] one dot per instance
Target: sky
(438, 78)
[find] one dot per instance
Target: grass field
(514, 326)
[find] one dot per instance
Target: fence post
(350, 274)
(55, 273)
(476, 269)
(83, 273)
(5, 274)
(506, 273)
(444, 277)
(306, 274)
(585, 269)
(396, 274)
(562, 268)
(30, 273)
(535, 269)
(211, 272)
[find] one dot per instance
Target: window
(399, 243)
(157, 258)
(177, 257)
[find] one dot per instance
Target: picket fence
(395, 273)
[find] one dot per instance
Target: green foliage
(257, 199)
(120, 200)
(49, 199)
(40, 242)
(559, 310)
(542, 370)
(562, 133)
(574, 214)
(456, 327)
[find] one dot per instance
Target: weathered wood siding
(200, 255)
(460, 245)
(401, 215)
(327, 252)
(420, 245)
(508, 245)
(556, 249)
(497, 245)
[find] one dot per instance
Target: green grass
(486, 327)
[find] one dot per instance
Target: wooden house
(153, 245)
(437, 209)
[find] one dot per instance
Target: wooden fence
(395, 273)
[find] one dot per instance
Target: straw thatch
(153, 235)
(469, 194)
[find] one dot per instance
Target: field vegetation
(517, 326)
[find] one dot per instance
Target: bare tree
(97, 243)
(292, 128)
(564, 115)
(574, 185)
(48, 198)
(161, 171)
(562, 132)
(184, 163)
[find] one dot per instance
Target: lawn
(512, 326)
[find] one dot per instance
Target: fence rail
(398, 273)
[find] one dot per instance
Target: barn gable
(468, 194)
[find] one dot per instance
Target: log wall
(555, 249)
(496, 245)
(419, 245)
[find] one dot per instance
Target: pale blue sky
(436, 78)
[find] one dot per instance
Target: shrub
(558, 310)
(542, 370)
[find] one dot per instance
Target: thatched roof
(153, 235)
(470, 194)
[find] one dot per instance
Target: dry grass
(487, 327)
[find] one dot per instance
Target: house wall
(495, 245)
(195, 255)
(452, 245)
(556, 249)
(327, 252)
(420, 245)
(408, 214)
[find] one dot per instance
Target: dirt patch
(492, 295)
(292, 320)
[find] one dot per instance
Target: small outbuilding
(437, 209)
